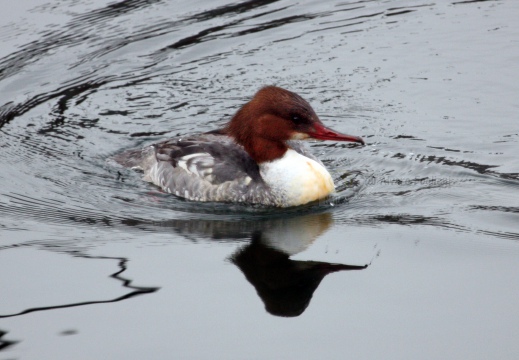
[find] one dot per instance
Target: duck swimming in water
(257, 158)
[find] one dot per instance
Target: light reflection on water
(431, 200)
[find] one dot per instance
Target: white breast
(297, 179)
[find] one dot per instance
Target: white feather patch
(297, 179)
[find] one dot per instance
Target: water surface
(415, 256)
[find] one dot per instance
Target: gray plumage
(206, 167)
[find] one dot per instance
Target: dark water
(416, 256)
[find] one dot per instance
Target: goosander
(256, 158)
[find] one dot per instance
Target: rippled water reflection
(426, 214)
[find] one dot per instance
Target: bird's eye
(296, 118)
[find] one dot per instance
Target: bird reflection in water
(286, 286)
